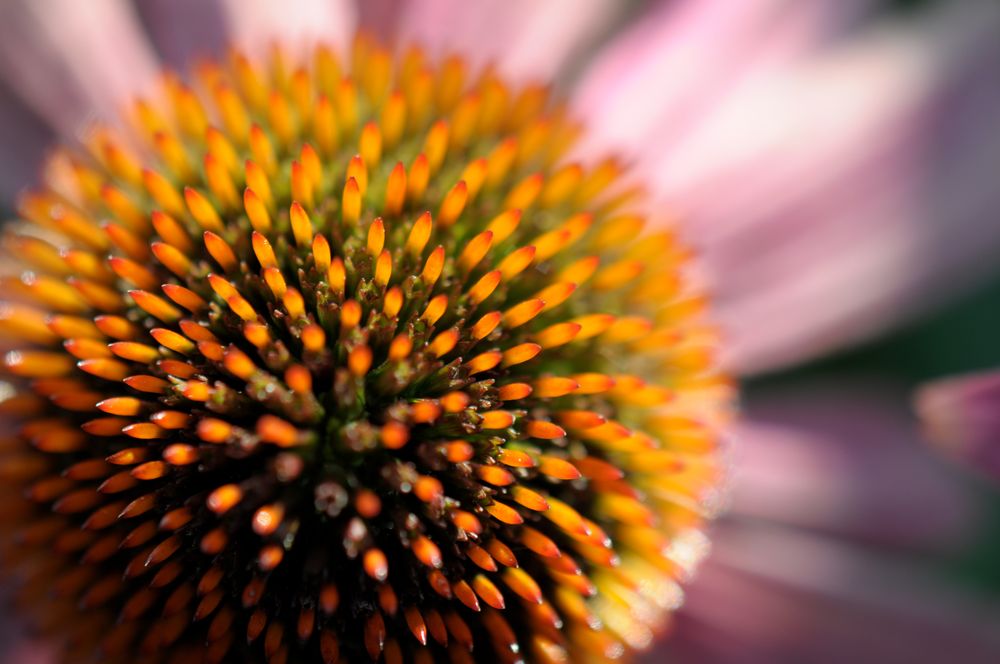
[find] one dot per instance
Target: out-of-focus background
(848, 537)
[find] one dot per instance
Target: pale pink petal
(831, 552)
(675, 63)
(184, 30)
(855, 176)
(870, 197)
(72, 61)
(380, 17)
(254, 25)
(962, 416)
(525, 39)
(775, 595)
(24, 137)
(844, 458)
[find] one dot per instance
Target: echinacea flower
(676, 89)
(349, 363)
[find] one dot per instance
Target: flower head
(315, 365)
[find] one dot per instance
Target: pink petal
(856, 176)
(845, 459)
(24, 137)
(380, 17)
(71, 60)
(672, 66)
(827, 555)
(255, 25)
(28, 651)
(184, 30)
(771, 595)
(873, 222)
(525, 39)
(962, 416)
(17, 646)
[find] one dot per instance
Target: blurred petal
(671, 67)
(858, 180)
(828, 555)
(183, 30)
(72, 60)
(256, 24)
(775, 595)
(872, 206)
(20, 649)
(962, 415)
(844, 458)
(525, 39)
(17, 646)
(24, 137)
(380, 17)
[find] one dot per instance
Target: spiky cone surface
(327, 367)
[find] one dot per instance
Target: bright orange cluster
(315, 367)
